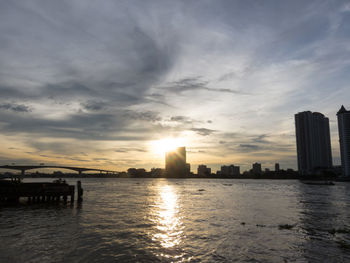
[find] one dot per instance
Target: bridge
(24, 168)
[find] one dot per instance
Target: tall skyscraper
(175, 163)
(344, 139)
(256, 168)
(313, 142)
(277, 167)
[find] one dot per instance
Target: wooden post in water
(72, 193)
(80, 191)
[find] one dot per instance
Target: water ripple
(158, 220)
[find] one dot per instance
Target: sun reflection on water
(168, 222)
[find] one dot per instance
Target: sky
(96, 83)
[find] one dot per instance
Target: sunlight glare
(167, 144)
(169, 223)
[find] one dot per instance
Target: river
(183, 220)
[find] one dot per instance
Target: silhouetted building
(344, 139)
(236, 171)
(256, 168)
(225, 170)
(157, 172)
(338, 170)
(188, 168)
(277, 167)
(175, 163)
(313, 142)
(230, 170)
(203, 170)
(139, 172)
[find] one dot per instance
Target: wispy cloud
(15, 107)
(228, 75)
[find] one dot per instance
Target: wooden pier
(13, 191)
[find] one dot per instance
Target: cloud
(126, 150)
(15, 107)
(142, 116)
(195, 84)
(203, 131)
(93, 105)
(250, 146)
(120, 125)
(184, 120)
(186, 84)
(236, 71)
(180, 119)
(261, 139)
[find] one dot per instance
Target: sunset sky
(96, 83)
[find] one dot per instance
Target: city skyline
(100, 86)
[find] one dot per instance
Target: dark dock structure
(12, 191)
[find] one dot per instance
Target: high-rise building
(344, 139)
(203, 170)
(175, 163)
(236, 170)
(277, 167)
(230, 170)
(256, 168)
(313, 142)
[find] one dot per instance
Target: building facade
(277, 167)
(203, 170)
(230, 170)
(175, 163)
(344, 139)
(256, 168)
(313, 142)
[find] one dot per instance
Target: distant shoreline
(165, 177)
(192, 176)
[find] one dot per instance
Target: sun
(167, 144)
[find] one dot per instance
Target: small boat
(318, 182)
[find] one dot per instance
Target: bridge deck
(23, 168)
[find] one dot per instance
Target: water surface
(177, 220)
